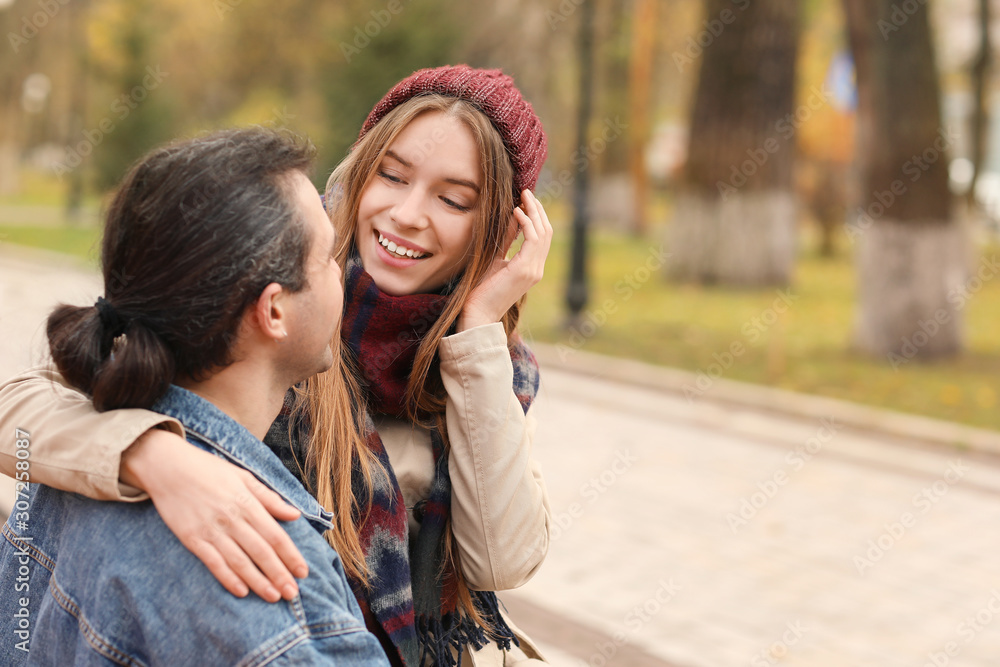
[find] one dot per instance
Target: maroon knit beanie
(494, 93)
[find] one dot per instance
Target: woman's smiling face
(416, 216)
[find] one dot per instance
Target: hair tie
(111, 319)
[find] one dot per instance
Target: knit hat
(493, 93)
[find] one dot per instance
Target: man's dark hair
(194, 233)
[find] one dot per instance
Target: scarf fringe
(443, 640)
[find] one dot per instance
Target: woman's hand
(220, 512)
(510, 279)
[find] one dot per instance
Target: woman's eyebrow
(454, 181)
(462, 181)
(395, 156)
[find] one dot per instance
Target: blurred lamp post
(576, 293)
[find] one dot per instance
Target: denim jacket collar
(208, 424)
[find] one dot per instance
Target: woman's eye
(455, 205)
(389, 177)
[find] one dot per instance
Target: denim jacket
(98, 583)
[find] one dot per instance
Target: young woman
(425, 209)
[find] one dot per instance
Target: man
(220, 293)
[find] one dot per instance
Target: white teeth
(398, 249)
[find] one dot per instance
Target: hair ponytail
(127, 370)
(75, 343)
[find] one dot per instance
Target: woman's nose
(409, 210)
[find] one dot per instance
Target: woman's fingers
(531, 214)
(255, 545)
(274, 534)
(274, 504)
(537, 239)
(237, 559)
(224, 515)
(512, 231)
(255, 551)
(272, 578)
(547, 226)
(211, 558)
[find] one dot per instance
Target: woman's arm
(500, 511)
(220, 512)
(72, 446)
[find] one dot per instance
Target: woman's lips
(395, 244)
(391, 258)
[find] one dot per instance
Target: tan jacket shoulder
(71, 446)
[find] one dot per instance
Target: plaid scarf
(411, 604)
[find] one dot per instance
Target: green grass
(77, 241)
(805, 349)
(37, 188)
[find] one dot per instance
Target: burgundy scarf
(412, 605)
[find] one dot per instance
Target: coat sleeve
(70, 446)
(500, 509)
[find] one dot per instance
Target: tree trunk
(912, 259)
(640, 75)
(735, 216)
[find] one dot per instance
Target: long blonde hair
(337, 449)
(425, 396)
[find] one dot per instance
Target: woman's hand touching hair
(510, 279)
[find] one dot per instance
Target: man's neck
(249, 393)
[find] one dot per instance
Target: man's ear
(271, 314)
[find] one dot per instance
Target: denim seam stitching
(29, 548)
(333, 629)
(276, 647)
(98, 643)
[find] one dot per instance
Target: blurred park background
(796, 193)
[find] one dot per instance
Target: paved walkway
(705, 535)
